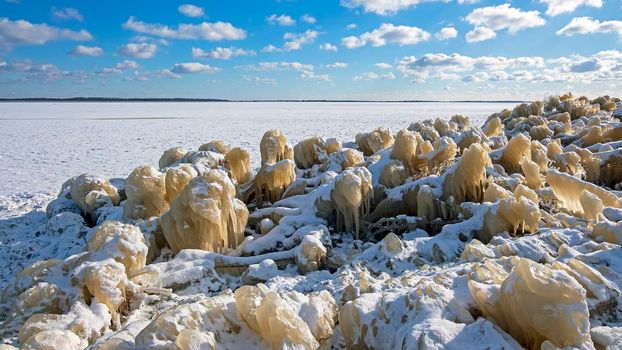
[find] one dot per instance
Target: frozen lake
(43, 144)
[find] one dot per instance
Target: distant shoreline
(112, 99)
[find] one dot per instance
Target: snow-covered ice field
(43, 144)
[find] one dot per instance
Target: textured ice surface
(60, 140)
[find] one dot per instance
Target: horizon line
(185, 99)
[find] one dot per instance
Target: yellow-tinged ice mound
(517, 150)
(534, 304)
(171, 156)
(272, 180)
(175, 179)
(309, 152)
(215, 146)
(122, 242)
(289, 320)
(466, 181)
(238, 161)
(568, 190)
(352, 197)
(274, 147)
(205, 215)
(145, 189)
(91, 192)
(374, 141)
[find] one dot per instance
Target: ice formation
(441, 235)
(205, 215)
(91, 192)
(145, 189)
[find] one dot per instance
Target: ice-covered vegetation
(444, 235)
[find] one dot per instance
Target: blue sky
(310, 49)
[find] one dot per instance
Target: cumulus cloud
(557, 7)
(221, 53)
(22, 32)
(118, 68)
(308, 19)
(351, 26)
(446, 33)
(67, 13)
(138, 50)
(190, 10)
(480, 34)
(383, 65)
(504, 17)
(193, 68)
(328, 47)
(204, 31)
(282, 20)
(282, 65)
(337, 65)
(43, 72)
(374, 76)
(380, 7)
(601, 66)
(82, 50)
(387, 33)
(294, 41)
(305, 71)
(588, 25)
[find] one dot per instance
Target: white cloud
(387, 33)
(138, 50)
(310, 75)
(308, 19)
(374, 76)
(461, 2)
(294, 41)
(337, 65)
(270, 48)
(38, 71)
(21, 32)
(588, 25)
(190, 10)
(557, 7)
(305, 71)
(480, 34)
(166, 73)
(383, 65)
(118, 68)
(446, 33)
(221, 53)
(351, 26)
(127, 64)
(328, 47)
(204, 31)
(283, 20)
(82, 50)
(601, 66)
(192, 68)
(283, 65)
(67, 13)
(259, 80)
(380, 7)
(504, 17)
